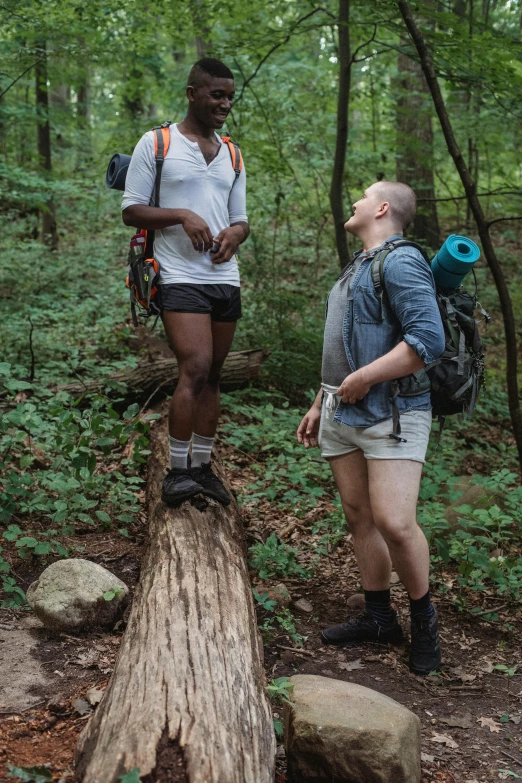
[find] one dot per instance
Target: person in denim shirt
(370, 342)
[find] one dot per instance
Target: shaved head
(208, 67)
(401, 198)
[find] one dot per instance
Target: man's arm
(308, 430)
(231, 237)
(419, 316)
(153, 218)
(401, 360)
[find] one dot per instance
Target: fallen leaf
(457, 721)
(488, 667)
(490, 723)
(427, 758)
(462, 674)
(351, 666)
(94, 695)
(81, 706)
(303, 605)
(515, 719)
(444, 740)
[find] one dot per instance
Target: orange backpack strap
(235, 155)
(161, 147)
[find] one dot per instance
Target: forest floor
(470, 713)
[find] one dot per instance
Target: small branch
(489, 611)
(31, 351)
(366, 43)
(296, 650)
(509, 756)
(499, 220)
(480, 195)
(277, 46)
(18, 78)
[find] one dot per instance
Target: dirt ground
(471, 713)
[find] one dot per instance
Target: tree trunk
(186, 701)
(240, 368)
(343, 101)
(482, 225)
(48, 217)
(415, 147)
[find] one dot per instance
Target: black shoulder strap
(379, 258)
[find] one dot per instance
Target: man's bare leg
(394, 490)
(208, 407)
(190, 337)
(373, 558)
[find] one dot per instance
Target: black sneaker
(178, 485)
(212, 485)
(425, 655)
(362, 628)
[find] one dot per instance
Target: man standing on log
(369, 341)
(199, 227)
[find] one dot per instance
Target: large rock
(340, 732)
(69, 595)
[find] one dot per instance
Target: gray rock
(303, 605)
(340, 732)
(69, 595)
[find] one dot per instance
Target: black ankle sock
(421, 607)
(378, 603)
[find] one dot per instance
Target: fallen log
(239, 369)
(186, 700)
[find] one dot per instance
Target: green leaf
(39, 774)
(42, 548)
(28, 541)
(109, 595)
(278, 727)
(103, 516)
(14, 385)
(131, 777)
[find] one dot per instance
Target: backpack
(457, 376)
(143, 271)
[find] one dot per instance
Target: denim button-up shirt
(372, 327)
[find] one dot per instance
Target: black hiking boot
(425, 655)
(178, 485)
(362, 628)
(212, 485)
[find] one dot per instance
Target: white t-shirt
(212, 192)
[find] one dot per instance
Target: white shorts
(336, 439)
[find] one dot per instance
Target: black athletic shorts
(221, 302)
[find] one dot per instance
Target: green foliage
(131, 777)
(280, 690)
(274, 558)
(264, 425)
(276, 620)
(113, 593)
(40, 774)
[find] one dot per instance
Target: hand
(308, 430)
(229, 239)
(197, 231)
(354, 387)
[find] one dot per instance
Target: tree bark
(48, 216)
(240, 368)
(482, 225)
(343, 101)
(415, 147)
(186, 701)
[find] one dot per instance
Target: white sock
(201, 450)
(178, 450)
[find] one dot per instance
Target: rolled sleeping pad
(454, 260)
(117, 171)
